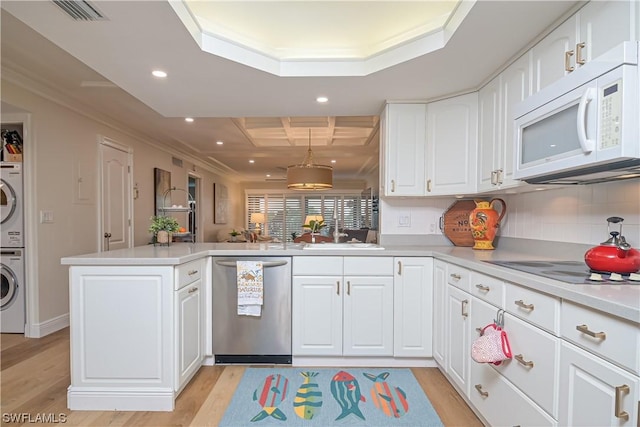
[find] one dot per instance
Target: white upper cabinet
(403, 130)
(592, 31)
(489, 138)
(452, 139)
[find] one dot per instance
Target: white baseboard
(382, 362)
(87, 399)
(48, 327)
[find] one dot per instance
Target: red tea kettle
(615, 255)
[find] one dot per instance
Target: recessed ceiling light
(333, 161)
(252, 161)
(188, 119)
(219, 142)
(268, 175)
(322, 99)
(159, 73)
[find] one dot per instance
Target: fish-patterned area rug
(329, 397)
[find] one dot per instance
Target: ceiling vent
(176, 161)
(80, 10)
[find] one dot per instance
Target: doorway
(194, 198)
(115, 230)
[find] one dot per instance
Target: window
(285, 212)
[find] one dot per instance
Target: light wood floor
(35, 377)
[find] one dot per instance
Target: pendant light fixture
(309, 176)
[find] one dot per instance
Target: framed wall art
(220, 203)
(162, 183)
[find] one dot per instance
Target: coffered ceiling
(263, 113)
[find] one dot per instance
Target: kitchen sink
(341, 246)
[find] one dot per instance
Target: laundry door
(8, 201)
(9, 287)
(115, 175)
(11, 221)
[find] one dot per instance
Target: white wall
(61, 141)
(575, 214)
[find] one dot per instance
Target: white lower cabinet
(595, 392)
(413, 303)
(440, 335)
(458, 310)
(348, 311)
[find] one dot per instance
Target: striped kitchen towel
(250, 287)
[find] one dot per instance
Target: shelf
(176, 209)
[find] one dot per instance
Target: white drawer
(615, 339)
(458, 277)
(487, 288)
(536, 374)
(534, 307)
(501, 403)
(188, 273)
(317, 266)
(368, 266)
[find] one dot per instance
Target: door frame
(198, 199)
(108, 142)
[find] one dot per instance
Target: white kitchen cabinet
(136, 335)
(582, 38)
(458, 350)
(440, 323)
(348, 311)
(413, 307)
(403, 141)
(496, 125)
(452, 135)
(189, 322)
(594, 392)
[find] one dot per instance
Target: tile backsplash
(575, 214)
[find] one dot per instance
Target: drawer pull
(455, 276)
(619, 412)
(521, 304)
(463, 308)
(520, 359)
(585, 330)
(192, 272)
(482, 393)
(192, 290)
(483, 287)
(337, 287)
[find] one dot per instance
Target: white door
(458, 362)
(596, 29)
(115, 175)
(188, 303)
(549, 55)
(368, 316)
(489, 134)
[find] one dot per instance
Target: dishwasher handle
(265, 264)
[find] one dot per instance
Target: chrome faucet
(336, 231)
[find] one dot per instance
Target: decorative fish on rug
(392, 401)
(308, 400)
(269, 395)
(346, 390)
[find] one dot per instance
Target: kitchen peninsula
(141, 321)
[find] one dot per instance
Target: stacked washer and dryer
(12, 307)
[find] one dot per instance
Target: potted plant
(162, 227)
(314, 225)
(234, 234)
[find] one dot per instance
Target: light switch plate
(46, 217)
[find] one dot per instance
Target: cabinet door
(189, 323)
(440, 313)
(549, 54)
(516, 86)
(458, 362)
(489, 137)
(452, 135)
(413, 302)
(603, 25)
(368, 316)
(317, 315)
(594, 392)
(404, 144)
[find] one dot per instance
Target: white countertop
(620, 300)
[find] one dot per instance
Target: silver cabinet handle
(494, 177)
(579, 59)
(619, 413)
(482, 393)
(429, 185)
(348, 287)
(463, 307)
(585, 330)
(520, 359)
(399, 268)
(192, 272)
(521, 304)
(499, 173)
(567, 61)
(393, 185)
(455, 276)
(337, 287)
(483, 287)
(192, 290)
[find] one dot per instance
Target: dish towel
(250, 287)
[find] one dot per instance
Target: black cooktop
(575, 272)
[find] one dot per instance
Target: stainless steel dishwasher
(248, 339)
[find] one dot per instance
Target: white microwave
(584, 128)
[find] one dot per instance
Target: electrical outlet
(404, 221)
(432, 228)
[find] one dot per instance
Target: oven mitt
(492, 346)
